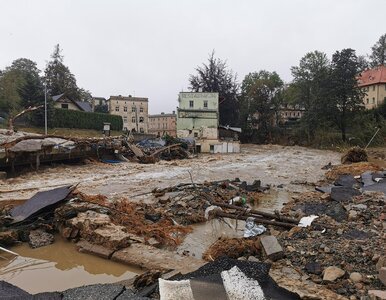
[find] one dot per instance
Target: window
(125, 119)
(205, 104)
(125, 108)
(116, 108)
(373, 87)
(133, 109)
(133, 120)
(141, 119)
(141, 130)
(367, 101)
(141, 109)
(373, 100)
(196, 134)
(191, 103)
(65, 105)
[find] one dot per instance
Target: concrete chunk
(271, 247)
(86, 247)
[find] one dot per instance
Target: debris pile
(354, 155)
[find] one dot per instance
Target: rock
(339, 231)
(253, 258)
(242, 258)
(327, 250)
(375, 258)
(381, 263)
(356, 277)
(343, 193)
(352, 215)
(377, 295)
(111, 236)
(272, 247)
(346, 180)
(382, 275)
(89, 220)
(332, 273)
(291, 249)
(313, 268)
(86, 247)
(8, 238)
(39, 238)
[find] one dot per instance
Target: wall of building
(133, 110)
(375, 95)
(216, 146)
(71, 105)
(163, 124)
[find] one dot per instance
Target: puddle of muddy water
(58, 267)
(205, 234)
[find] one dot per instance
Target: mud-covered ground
(272, 164)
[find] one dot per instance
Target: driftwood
(11, 120)
(165, 148)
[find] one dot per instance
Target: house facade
(63, 102)
(373, 83)
(198, 118)
(162, 124)
(133, 110)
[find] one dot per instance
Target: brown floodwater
(58, 267)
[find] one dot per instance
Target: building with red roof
(373, 83)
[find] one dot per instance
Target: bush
(64, 118)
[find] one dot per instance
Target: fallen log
(257, 220)
(11, 120)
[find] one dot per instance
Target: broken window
(141, 119)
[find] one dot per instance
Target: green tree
(310, 89)
(346, 96)
(261, 96)
(378, 54)
(10, 99)
(58, 77)
(215, 77)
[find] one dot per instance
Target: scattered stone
(39, 238)
(352, 215)
(8, 238)
(382, 275)
(313, 268)
(272, 247)
(253, 258)
(343, 193)
(377, 295)
(356, 277)
(332, 273)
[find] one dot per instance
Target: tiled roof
(85, 106)
(373, 76)
(57, 97)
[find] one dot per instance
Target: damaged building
(198, 118)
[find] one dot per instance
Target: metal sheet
(39, 202)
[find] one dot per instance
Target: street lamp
(45, 108)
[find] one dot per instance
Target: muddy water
(58, 267)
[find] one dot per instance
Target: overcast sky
(149, 48)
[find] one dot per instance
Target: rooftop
(372, 76)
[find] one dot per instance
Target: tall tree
(215, 77)
(310, 89)
(346, 96)
(10, 99)
(261, 99)
(378, 54)
(58, 77)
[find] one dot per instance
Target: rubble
(271, 247)
(39, 238)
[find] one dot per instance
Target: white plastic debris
(209, 209)
(251, 229)
(306, 221)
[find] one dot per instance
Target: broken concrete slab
(367, 178)
(39, 202)
(377, 187)
(86, 247)
(272, 247)
(96, 291)
(39, 238)
(148, 257)
(343, 193)
(89, 220)
(111, 236)
(346, 180)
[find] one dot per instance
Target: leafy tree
(85, 95)
(260, 101)
(346, 96)
(363, 63)
(311, 88)
(10, 99)
(378, 54)
(215, 77)
(58, 77)
(102, 108)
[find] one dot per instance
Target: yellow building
(373, 83)
(133, 110)
(163, 124)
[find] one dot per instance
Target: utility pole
(45, 108)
